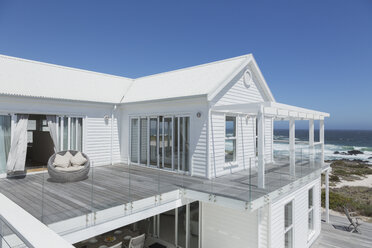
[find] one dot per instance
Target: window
(143, 140)
(70, 134)
(134, 140)
(230, 139)
(311, 211)
(5, 133)
(163, 141)
(288, 225)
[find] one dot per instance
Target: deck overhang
(272, 109)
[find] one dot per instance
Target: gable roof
(21, 77)
(30, 78)
(191, 81)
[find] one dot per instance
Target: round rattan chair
(68, 176)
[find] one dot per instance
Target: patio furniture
(118, 245)
(72, 174)
(354, 222)
(136, 242)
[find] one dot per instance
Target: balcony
(112, 193)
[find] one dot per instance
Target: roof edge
(62, 67)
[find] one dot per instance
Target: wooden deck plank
(334, 235)
(109, 186)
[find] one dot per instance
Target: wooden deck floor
(109, 186)
(335, 235)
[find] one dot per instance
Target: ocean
(335, 140)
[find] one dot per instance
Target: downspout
(112, 133)
(208, 175)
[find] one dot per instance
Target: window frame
(234, 138)
(61, 130)
(310, 209)
(291, 226)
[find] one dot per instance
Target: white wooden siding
(199, 156)
(263, 226)
(268, 139)
(245, 145)
(236, 92)
(300, 221)
(98, 141)
(225, 227)
(116, 158)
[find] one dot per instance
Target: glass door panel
(134, 141)
(143, 141)
(161, 143)
(167, 143)
(64, 131)
(79, 134)
(181, 227)
(5, 133)
(184, 143)
(175, 143)
(154, 141)
(73, 134)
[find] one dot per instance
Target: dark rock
(354, 152)
(336, 152)
(344, 153)
(370, 158)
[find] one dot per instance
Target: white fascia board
(226, 81)
(243, 107)
(281, 106)
(263, 83)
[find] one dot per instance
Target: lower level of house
(292, 221)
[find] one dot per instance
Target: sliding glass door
(163, 141)
(167, 142)
(70, 133)
(154, 141)
(5, 135)
(143, 140)
(183, 143)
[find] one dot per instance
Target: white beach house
(185, 157)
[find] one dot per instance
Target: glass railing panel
(67, 203)
(8, 237)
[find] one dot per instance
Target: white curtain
(18, 148)
(52, 124)
(5, 123)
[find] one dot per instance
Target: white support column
(327, 196)
(292, 153)
(261, 148)
(188, 226)
(311, 142)
(321, 139)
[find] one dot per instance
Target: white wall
(97, 133)
(225, 227)
(198, 126)
(236, 92)
(245, 145)
(300, 201)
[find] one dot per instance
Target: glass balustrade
(113, 191)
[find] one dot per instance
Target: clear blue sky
(315, 54)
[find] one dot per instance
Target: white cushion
(61, 161)
(68, 155)
(70, 168)
(78, 159)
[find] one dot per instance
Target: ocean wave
(329, 151)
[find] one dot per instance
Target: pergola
(279, 111)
